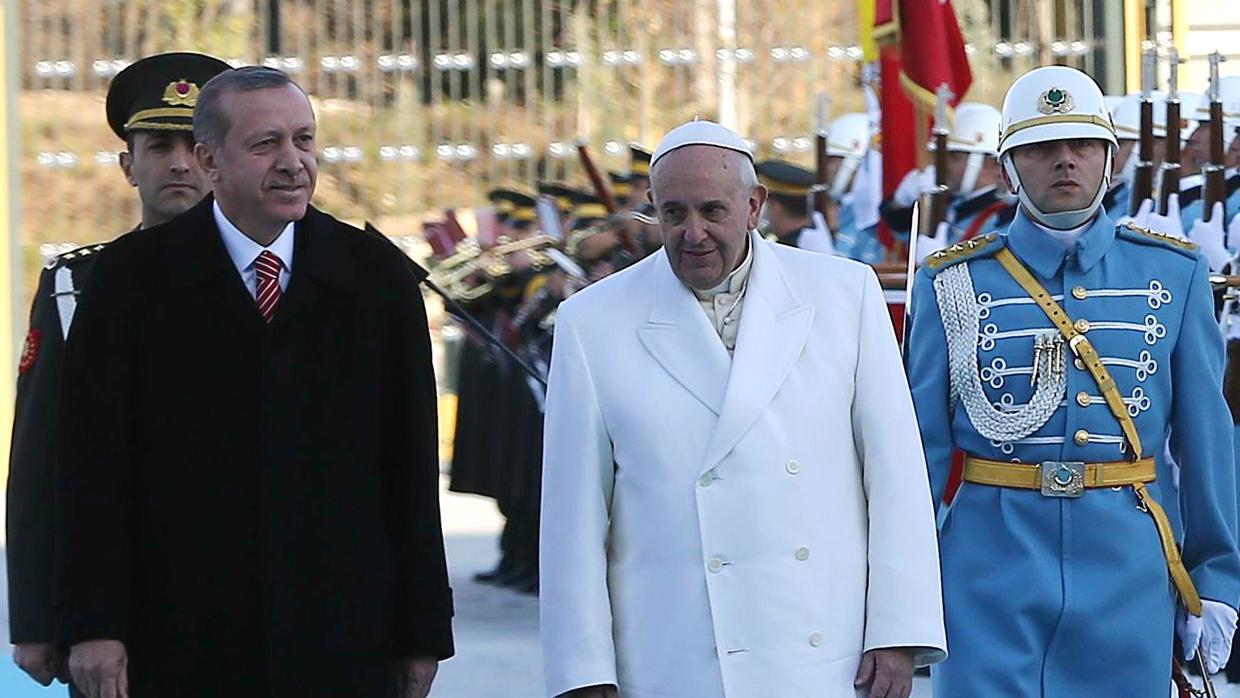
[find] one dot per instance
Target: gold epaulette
(960, 251)
(1164, 238)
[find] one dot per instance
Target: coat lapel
(321, 255)
(679, 336)
(772, 335)
(197, 254)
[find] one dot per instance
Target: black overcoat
(252, 508)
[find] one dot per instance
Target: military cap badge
(1055, 101)
(181, 93)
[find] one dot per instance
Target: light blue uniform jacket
(1049, 597)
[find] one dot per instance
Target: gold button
(1080, 365)
(1080, 293)
(1082, 325)
(1082, 399)
(802, 553)
(1081, 437)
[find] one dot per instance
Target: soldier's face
(1196, 152)
(956, 164)
(706, 210)
(1233, 153)
(1062, 175)
(161, 165)
(265, 170)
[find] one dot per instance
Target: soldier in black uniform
(150, 106)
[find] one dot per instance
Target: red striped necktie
(267, 267)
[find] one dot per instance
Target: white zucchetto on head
(700, 133)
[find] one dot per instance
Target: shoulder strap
(1079, 344)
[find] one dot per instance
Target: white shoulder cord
(959, 310)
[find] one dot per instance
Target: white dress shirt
(244, 251)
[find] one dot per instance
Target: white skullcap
(700, 133)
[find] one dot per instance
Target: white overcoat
(739, 527)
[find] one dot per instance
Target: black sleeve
(94, 479)
(30, 546)
(900, 220)
(423, 596)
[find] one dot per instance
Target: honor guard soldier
(980, 204)
(1197, 149)
(150, 105)
(1055, 358)
(786, 213)
(848, 143)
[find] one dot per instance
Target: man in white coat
(735, 503)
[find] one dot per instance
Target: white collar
(243, 250)
(1064, 237)
(735, 281)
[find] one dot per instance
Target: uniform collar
(1045, 255)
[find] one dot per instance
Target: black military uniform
(156, 93)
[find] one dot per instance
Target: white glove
(817, 238)
(927, 246)
(1169, 224)
(1209, 236)
(911, 187)
(1213, 630)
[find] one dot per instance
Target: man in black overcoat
(249, 480)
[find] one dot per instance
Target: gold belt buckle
(1063, 478)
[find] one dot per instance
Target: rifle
(604, 195)
(1143, 177)
(821, 201)
(1170, 170)
(422, 277)
(1215, 188)
(934, 202)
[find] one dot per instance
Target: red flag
(932, 48)
(899, 131)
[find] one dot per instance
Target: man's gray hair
(210, 122)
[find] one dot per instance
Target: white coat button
(802, 553)
(715, 565)
(706, 479)
(793, 467)
(815, 640)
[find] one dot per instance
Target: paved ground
(496, 630)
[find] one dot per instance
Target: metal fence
(425, 104)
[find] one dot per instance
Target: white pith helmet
(848, 137)
(1055, 103)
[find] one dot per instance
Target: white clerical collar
(243, 250)
(734, 281)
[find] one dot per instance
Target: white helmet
(1229, 91)
(1055, 103)
(1127, 118)
(848, 137)
(975, 130)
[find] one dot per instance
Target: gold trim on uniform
(159, 113)
(1056, 119)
